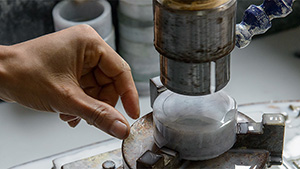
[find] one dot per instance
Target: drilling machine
(195, 124)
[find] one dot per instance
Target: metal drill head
(195, 78)
(194, 45)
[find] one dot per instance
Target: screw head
(108, 164)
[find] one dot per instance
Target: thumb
(99, 114)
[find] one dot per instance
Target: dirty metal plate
(291, 110)
(235, 158)
(145, 140)
(141, 139)
(95, 162)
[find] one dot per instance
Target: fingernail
(134, 115)
(137, 116)
(118, 129)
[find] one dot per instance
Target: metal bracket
(268, 135)
(156, 88)
(258, 144)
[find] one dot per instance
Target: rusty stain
(193, 5)
(273, 107)
(219, 20)
(95, 161)
(139, 140)
(199, 55)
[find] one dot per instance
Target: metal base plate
(141, 139)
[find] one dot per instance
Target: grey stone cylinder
(136, 41)
(96, 13)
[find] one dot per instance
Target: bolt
(295, 108)
(108, 164)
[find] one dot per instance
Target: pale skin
(72, 72)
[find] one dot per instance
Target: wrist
(3, 50)
(6, 54)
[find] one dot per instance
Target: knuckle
(99, 116)
(126, 66)
(85, 32)
(67, 93)
(102, 50)
(85, 28)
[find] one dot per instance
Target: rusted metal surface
(96, 162)
(234, 158)
(150, 160)
(141, 139)
(269, 137)
(222, 72)
(260, 149)
(108, 164)
(193, 4)
(171, 157)
(145, 142)
(194, 36)
(189, 41)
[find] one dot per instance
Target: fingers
(109, 95)
(89, 84)
(93, 92)
(129, 95)
(116, 69)
(73, 121)
(99, 114)
(105, 93)
(88, 81)
(66, 117)
(113, 66)
(101, 78)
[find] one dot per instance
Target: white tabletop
(266, 70)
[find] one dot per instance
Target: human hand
(72, 71)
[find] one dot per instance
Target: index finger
(115, 67)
